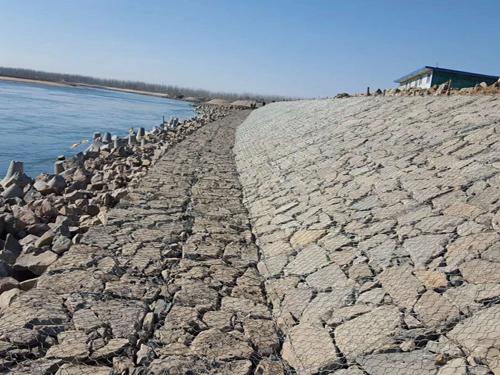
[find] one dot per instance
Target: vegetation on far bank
(168, 90)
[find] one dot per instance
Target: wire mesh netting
(377, 220)
(366, 242)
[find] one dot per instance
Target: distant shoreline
(70, 84)
(26, 80)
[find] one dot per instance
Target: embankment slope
(378, 222)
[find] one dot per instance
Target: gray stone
(7, 297)
(57, 184)
(45, 239)
(217, 345)
(123, 317)
(303, 238)
(307, 261)
(72, 346)
(197, 295)
(381, 256)
(11, 250)
(478, 271)
(478, 334)
(111, 349)
(77, 369)
(35, 308)
(435, 310)
(273, 266)
(324, 304)
(269, 367)
(347, 313)
(41, 186)
(38, 366)
(423, 248)
(61, 244)
(333, 241)
(328, 277)
(349, 371)
(36, 263)
(13, 191)
(373, 296)
(309, 349)
(344, 256)
(456, 366)
(468, 248)
(471, 297)
(144, 354)
(86, 320)
(360, 271)
(439, 224)
(369, 332)
(244, 307)
(7, 283)
(402, 286)
(295, 301)
(71, 282)
(262, 334)
(222, 320)
(416, 362)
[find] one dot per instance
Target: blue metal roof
(425, 69)
(428, 69)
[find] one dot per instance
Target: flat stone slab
(214, 344)
(372, 331)
(401, 284)
(479, 335)
(416, 362)
(310, 349)
(434, 310)
(307, 261)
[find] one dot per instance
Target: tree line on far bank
(169, 90)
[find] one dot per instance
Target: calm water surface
(39, 122)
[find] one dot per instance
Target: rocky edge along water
(41, 218)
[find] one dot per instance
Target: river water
(40, 122)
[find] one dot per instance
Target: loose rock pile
(436, 90)
(40, 219)
(445, 89)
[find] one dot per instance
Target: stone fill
(348, 236)
(378, 224)
(168, 286)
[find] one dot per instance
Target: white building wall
(422, 82)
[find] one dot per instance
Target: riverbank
(70, 84)
(52, 119)
(41, 218)
(348, 236)
(168, 285)
(35, 81)
(190, 95)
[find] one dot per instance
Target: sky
(299, 48)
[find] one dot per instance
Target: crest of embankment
(378, 224)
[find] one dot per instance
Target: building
(430, 75)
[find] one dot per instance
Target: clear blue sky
(302, 48)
